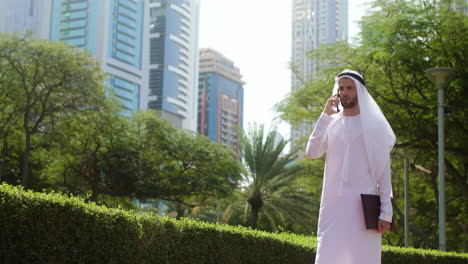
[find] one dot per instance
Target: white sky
(256, 35)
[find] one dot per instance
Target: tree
(185, 168)
(61, 128)
(93, 151)
(269, 179)
(43, 81)
(398, 42)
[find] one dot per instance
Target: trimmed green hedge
(52, 228)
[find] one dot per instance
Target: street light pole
(441, 77)
(406, 202)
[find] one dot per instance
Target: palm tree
(270, 183)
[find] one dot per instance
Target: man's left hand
(383, 226)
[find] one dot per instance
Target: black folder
(371, 208)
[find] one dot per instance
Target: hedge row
(53, 228)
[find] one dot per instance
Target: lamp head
(441, 77)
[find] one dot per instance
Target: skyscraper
(18, 16)
(220, 99)
(173, 73)
(314, 22)
(114, 31)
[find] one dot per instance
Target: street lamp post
(441, 77)
(406, 202)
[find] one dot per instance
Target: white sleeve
(385, 190)
(317, 144)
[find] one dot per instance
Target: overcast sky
(256, 35)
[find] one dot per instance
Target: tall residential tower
(314, 22)
(220, 99)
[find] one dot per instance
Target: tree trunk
(179, 210)
(465, 232)
(94, 194)
(255, 212)
(25, 165)
(256, 203)
(3, 157)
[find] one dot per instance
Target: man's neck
(351, 111)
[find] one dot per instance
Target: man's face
(347, 92)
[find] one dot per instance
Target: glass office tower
(173, 73)
(114, 31)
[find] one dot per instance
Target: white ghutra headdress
(377, 132)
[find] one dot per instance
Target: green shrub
(53, 228)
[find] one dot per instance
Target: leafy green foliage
(52, 228)
(270, 181)
(41, 82)
(194, 169)
(93, 150)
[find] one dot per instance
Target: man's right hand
(330, 107)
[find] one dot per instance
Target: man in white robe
(358, 141)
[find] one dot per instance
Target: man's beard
(350, 104)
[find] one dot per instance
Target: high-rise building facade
(314, 22)
(220, 99)
(114, 31)
(173, 72)
(19, 16)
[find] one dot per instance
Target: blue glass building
(173, 74)
(114, 32)
(148, 48)
(220, 99)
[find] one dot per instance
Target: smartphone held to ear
(338, 96)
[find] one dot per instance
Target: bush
(53, 228)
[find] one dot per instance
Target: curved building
(113, 31)
(173, 73)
